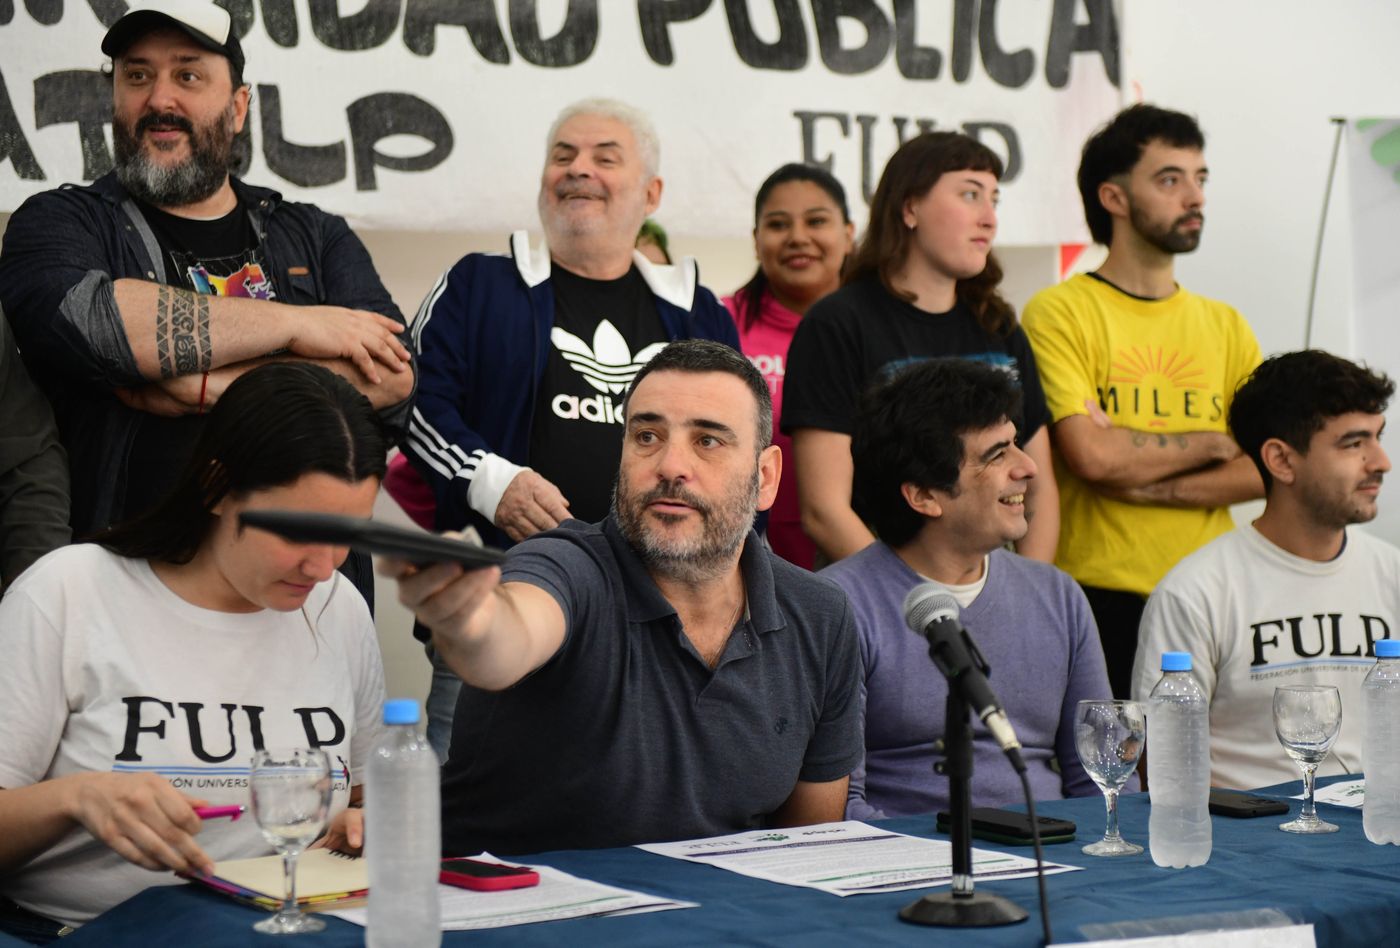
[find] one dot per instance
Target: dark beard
(191, 181)
(726, 526)
(1168, 240)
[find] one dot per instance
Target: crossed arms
(65, 286)
(1184, 469)
(177, 335)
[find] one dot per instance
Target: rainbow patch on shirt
(248, 282)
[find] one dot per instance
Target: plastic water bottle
(1178, 767)
(403, 836)
(1380, 752)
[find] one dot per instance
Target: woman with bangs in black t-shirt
(923, 285)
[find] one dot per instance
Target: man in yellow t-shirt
(1139, 374)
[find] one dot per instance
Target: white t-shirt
(106, 669)
(1255, 617)
(964, 594)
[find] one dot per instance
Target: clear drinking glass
(1306, 720)
(1109, 736)
(291, 795)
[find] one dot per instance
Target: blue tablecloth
(1342, 884)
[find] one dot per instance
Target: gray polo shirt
(626, 735)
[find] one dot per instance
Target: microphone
(933, 613)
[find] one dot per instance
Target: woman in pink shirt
(802, 235)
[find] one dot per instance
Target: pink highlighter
(218, 812)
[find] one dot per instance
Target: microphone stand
(961, 907)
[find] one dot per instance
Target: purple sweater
(1032, 624)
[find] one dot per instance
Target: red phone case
(518, 877)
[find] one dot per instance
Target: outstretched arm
(491, 635)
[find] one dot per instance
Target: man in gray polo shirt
(659, 675)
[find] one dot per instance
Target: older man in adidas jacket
(524, 358)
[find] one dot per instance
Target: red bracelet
(203, 389)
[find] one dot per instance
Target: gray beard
(690, 568)
(184, 184)
(727, 526)
(198, 177)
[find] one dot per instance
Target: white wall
(1263, 77)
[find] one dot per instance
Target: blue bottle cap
(1176, 661)
(401, 711)
(1388, 648)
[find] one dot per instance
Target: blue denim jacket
(62, 252)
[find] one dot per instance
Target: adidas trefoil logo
(609, 366)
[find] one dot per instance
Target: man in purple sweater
(939, 475)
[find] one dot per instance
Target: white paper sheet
(847, 858)
(558, 896)
(1294, 936)
(1346, 793)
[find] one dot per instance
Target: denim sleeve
(56, 276)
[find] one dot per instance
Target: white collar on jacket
(674, 284)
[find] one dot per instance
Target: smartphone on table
(1244, 805)
(486, 876)
(1012, 828)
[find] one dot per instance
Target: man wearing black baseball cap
(208, 25)
(137, 299)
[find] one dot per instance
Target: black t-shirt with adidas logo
(604, 332)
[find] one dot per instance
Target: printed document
(847, 858)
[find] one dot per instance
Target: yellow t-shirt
(1165, 366)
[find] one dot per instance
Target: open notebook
(325, 880)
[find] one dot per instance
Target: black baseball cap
(208, 24)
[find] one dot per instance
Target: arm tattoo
(182, 333)
(1142, 440)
